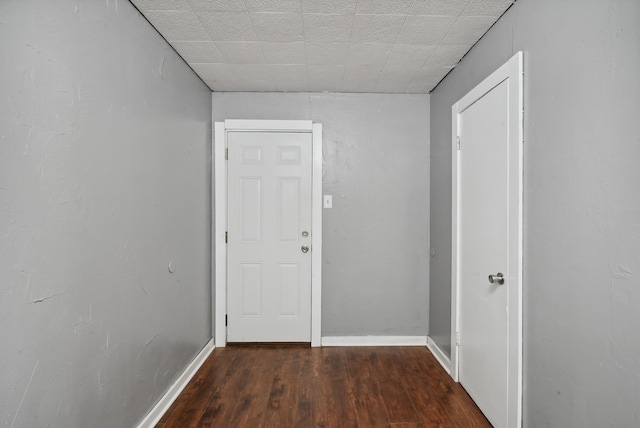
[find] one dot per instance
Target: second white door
(483, 251)
(269, 237)
(488, 245)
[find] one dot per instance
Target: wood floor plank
(419, 376)
(250, 409)
(464, 410)
(339, 390)
(438, 397)
(316, 389)
(426, 403)
(193, 401)
(288, 386)
(223, 400)
(397, 401)
(282, 398)
(368, 403)
(300, 390)
(408, 425)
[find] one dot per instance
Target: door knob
(304, 248)
(497, 279)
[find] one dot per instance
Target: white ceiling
(397, 46)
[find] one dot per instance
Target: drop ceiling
(378, 46)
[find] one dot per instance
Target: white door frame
(220, 217)
(512, 73)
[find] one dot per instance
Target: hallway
(294, 386)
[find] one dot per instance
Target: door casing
(512, 72)
(219, 177)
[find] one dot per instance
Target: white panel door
(483, 227)
(269, 237)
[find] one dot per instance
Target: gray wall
(582, 204)
(375, 238)
(104, 181)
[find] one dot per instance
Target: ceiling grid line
(394, 44)
(342, 84)
(306, 53)
(257, 36)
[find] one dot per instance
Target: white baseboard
(374, 341)
(154, 416)
(439, 354)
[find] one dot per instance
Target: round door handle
(497, 278)
(304, 248)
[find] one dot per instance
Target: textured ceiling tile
(161, 4)
(409, 55)
(344, 7)
(391, 86)
(228, 26)
(292, 86)
(418, 87)
(213, 71)
(273, 5)
(376, 28)
(283, 72)
(468, 30)
(218, 5)
(447, 55)
(278, 27)
(369, 54)
(430, 76)
(401, 69)
(284, 53)
(393, 7)
(251, 71)
(360, 84)
(241, 52)
(439, 7)
(177, 25)
(493, 8)
(325, 73)
(327, 53)
(364, 72)
(198, 51)
(327, 28)
(322, 45)
(425, 30)
(400, 74)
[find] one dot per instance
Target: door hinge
(458, 338)
(226, 237)
(226, 320)
(458, 142)
(226, 153)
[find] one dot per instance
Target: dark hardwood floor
(294, 386)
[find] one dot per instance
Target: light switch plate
(327, 201)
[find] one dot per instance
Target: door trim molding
(219, 186)
(513, 72)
